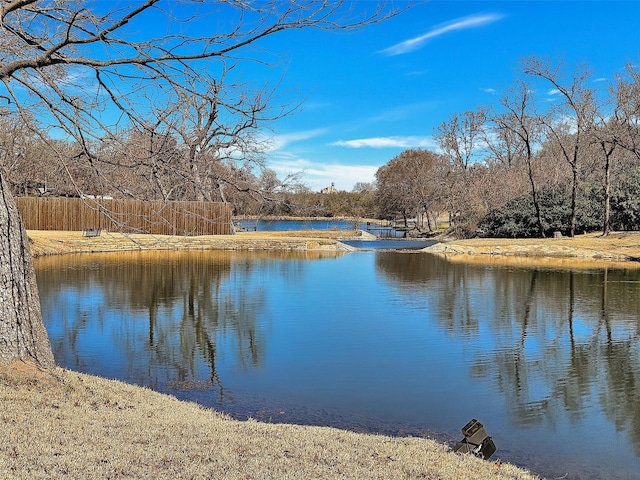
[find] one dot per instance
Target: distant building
(97, 197)
(331, 189)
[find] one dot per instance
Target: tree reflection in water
(554, 341)
(184, 305)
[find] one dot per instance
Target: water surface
(389, 244)
(286, 225)
(379, 230)
(402, 343)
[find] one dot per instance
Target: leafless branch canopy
(98, 74)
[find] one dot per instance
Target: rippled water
(403, 343)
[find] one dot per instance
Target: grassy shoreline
(62, 423)
(44, 243)
(618, 247)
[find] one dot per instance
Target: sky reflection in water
(547, 358)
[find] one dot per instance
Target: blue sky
(372, 93)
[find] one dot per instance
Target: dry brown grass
(616, 242)
(65, 424)
(590, 249)
(51, 242)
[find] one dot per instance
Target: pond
(285, 225)
(548, 359)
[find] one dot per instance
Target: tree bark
(606, 227)
(534, 192)
(574, 201)
(22, 333)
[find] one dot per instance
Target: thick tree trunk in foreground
(22, 333)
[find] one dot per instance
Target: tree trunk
(22, 333)
(574, 201)
(534, 194)
(607, 203)
(606, 227)
(429, 226)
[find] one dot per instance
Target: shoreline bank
(616, 247)
(45, 243)
(619, 248)
(61, 423)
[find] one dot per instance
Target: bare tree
(461, 136)
(423, 167)
(89, 72)
(519, 123)
(217, 123)
(461, 140)
(617, 131)
(626, 116)
(568, 123)
(502, 142)
(603, 133)
(394, 195)
(409, 185)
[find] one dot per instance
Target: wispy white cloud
(319, 175)
(600, 79)
(388, 142)
(489, 90)
(278, 142)
(455, 25)
(553, 91)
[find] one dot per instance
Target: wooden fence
(126, 216)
